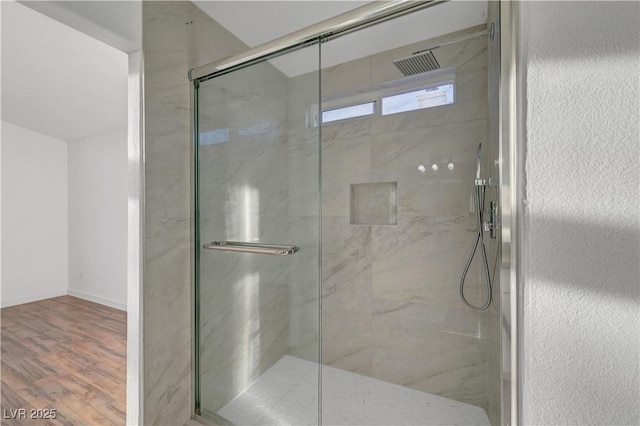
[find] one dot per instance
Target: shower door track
(354, 20)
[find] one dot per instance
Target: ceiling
(257, 22)
(116, 23)
(69, 80)
(59, 81)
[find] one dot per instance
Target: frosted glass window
(418, 99)
(353, 111)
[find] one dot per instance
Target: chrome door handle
(256, 248)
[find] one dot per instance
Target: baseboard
(28, 299)
(97, 299)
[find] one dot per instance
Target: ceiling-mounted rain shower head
(417, 63)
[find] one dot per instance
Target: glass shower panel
(398, 344)
(258, 186)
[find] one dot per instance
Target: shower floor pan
(286, 394)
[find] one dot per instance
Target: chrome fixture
(490, 225)
(256, 248)
(479, 163)
(481, 186)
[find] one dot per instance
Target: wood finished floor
(64, 353)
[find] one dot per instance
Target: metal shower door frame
(511, 179)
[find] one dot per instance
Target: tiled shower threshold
(286, 394)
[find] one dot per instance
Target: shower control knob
(491, 225)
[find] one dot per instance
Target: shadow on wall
(595, 257)
(581, 323)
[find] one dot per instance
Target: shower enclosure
(335, 213)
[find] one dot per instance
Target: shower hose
(480, 193)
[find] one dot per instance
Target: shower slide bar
(256, 248)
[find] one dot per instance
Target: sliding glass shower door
(257, 302)
(335, 216)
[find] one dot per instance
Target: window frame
(376, 95)
(418, 89)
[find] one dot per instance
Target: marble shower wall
(176, 37)
(390, 292)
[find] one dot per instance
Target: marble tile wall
(390, 306)
(176, 37)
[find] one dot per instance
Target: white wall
(98, 219)
(64, 217)
(582, 282)
(34, 216)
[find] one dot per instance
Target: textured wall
(582, 328)
(390, 306)
(176, 37)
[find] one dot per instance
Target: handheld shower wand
(479, 162)
(480, 189)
